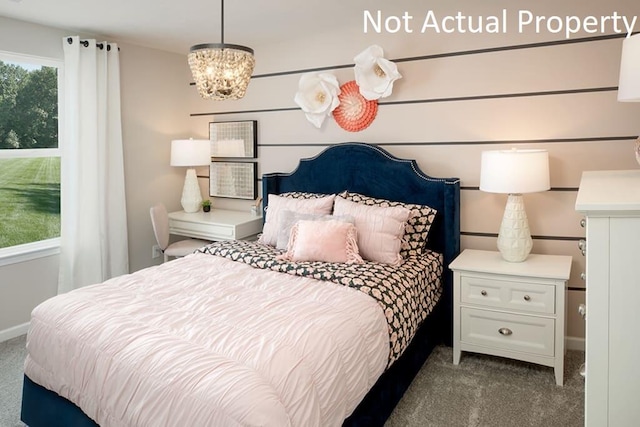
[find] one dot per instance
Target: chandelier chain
(222, 21)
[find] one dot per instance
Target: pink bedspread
(205, 341)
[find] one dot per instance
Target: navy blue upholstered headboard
(371, 170)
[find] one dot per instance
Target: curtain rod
(85, 43)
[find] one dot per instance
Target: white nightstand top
(216, 216)
(543, 266)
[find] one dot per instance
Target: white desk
(218, 224)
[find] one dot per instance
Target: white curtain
(93, 211)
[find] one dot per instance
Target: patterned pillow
(417, 229)
(303, 195)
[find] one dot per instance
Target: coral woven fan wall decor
(353, 105)
(354, 113)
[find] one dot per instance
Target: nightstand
(215, 225)
(510, 309)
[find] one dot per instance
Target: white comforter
(205, 341)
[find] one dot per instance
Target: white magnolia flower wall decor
(374, 74)
(317, 96)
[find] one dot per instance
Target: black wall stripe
(503, 95)
(451, 54)
(536, 237)
(264, 110)
(568, 189)
(435, 100)
(475, 142)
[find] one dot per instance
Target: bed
(369, 379)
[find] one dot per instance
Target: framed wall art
(236, 180)
(234, 139)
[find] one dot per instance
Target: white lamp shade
(190, 152)
(629, 84)
(514, 171)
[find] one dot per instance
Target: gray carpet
(12, 355)
(482, 391)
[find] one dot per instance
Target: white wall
(505, 102)
(154, 110)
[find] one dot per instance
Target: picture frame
(234, 180)
(237, 139)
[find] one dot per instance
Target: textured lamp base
(514, 240)
(191, 197)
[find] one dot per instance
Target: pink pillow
(277, 204)
(380, 229)
(327, 241)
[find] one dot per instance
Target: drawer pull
(505, 331)
(583, 223)
(527, 298)
(582, 310)
(583, 275)
(483, 293)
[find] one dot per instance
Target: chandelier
(221, 71)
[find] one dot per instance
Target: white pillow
(278, 204)
(380, 229)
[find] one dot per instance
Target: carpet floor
(483, 391)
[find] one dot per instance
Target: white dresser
(510, 309)
(610, 201)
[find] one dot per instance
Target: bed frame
(360, 168)
(371, 170)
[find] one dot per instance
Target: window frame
(48, 247)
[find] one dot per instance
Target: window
(29, 155)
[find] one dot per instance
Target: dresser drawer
(528, 334)
(510, 295)
(210, 231)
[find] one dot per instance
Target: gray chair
(160, 222)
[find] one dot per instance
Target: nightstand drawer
(506, 331)
(510, 295)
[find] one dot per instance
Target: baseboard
(13, 332)
(574, 343)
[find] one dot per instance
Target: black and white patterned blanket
(406, 294)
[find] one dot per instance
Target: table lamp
(514, 172)
(629, 84)
(191, 153)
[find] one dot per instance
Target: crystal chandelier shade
(221, 71)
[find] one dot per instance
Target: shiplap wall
(460, 95)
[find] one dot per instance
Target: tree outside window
(29, 156)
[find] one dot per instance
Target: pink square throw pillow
(326, 241)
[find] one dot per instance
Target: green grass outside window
(29, 200)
